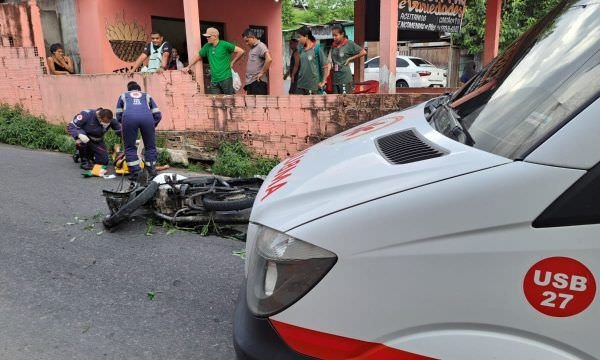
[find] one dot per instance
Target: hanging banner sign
(431, 15)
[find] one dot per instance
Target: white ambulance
(467, 227)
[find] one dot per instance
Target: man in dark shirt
(257, 68)
(88, 129)
(157, 52)
(294, 65)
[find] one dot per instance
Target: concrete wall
(270, 125)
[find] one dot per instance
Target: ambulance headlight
(282, 269)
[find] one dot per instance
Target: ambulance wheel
(128, 208)
(229, 201)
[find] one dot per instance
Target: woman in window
(58, 62)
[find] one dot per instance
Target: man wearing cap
(257, 68)
(218, 53)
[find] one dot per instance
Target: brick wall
(19, 71)
(15, 27)
(270, 125)
(282, 126)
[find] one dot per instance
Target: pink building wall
(15, 26)
(94, 15)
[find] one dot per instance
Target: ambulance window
(537, 85)
(579, 205)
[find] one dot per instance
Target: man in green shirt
(218, 53)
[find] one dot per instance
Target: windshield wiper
(459, 132)
(434, 104)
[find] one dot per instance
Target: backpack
(318, 60)
(329, 85)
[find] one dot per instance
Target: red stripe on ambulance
(333, 347)
(285, 172)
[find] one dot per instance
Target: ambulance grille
(406, 147)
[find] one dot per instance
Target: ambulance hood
(388, 155)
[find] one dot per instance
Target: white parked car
(466, 227)
(411, 71)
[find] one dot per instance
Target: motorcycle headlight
(282, 269)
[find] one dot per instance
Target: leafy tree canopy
(517, 17)
(315, 12)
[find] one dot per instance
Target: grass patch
(17, 127)
(164, 157)
(235, 160)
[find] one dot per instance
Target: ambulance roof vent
(406, 147)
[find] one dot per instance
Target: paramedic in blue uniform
(137, 110)
(88, 129)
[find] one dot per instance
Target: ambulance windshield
(537, 85)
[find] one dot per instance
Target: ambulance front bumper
(255, 338)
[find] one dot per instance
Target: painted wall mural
(127, 39)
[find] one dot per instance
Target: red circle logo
(559, 286)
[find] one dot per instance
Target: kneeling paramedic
(88, 129)
(137, 110)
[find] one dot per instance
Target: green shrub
(20, 128)
(17, 127)
(235, 160)
(164, 157)
(161, 141)
(111, 139)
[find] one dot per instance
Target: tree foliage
(517, 17)
(316, 12)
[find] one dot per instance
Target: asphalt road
(70, 291)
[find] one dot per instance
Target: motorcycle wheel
(129, 207)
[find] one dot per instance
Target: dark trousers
(300, 91)
(221, 87)
(94, 152)
(256, 88)
(131, 125)
(343, 88)
(293, 87)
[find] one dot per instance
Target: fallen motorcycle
(186, 200)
